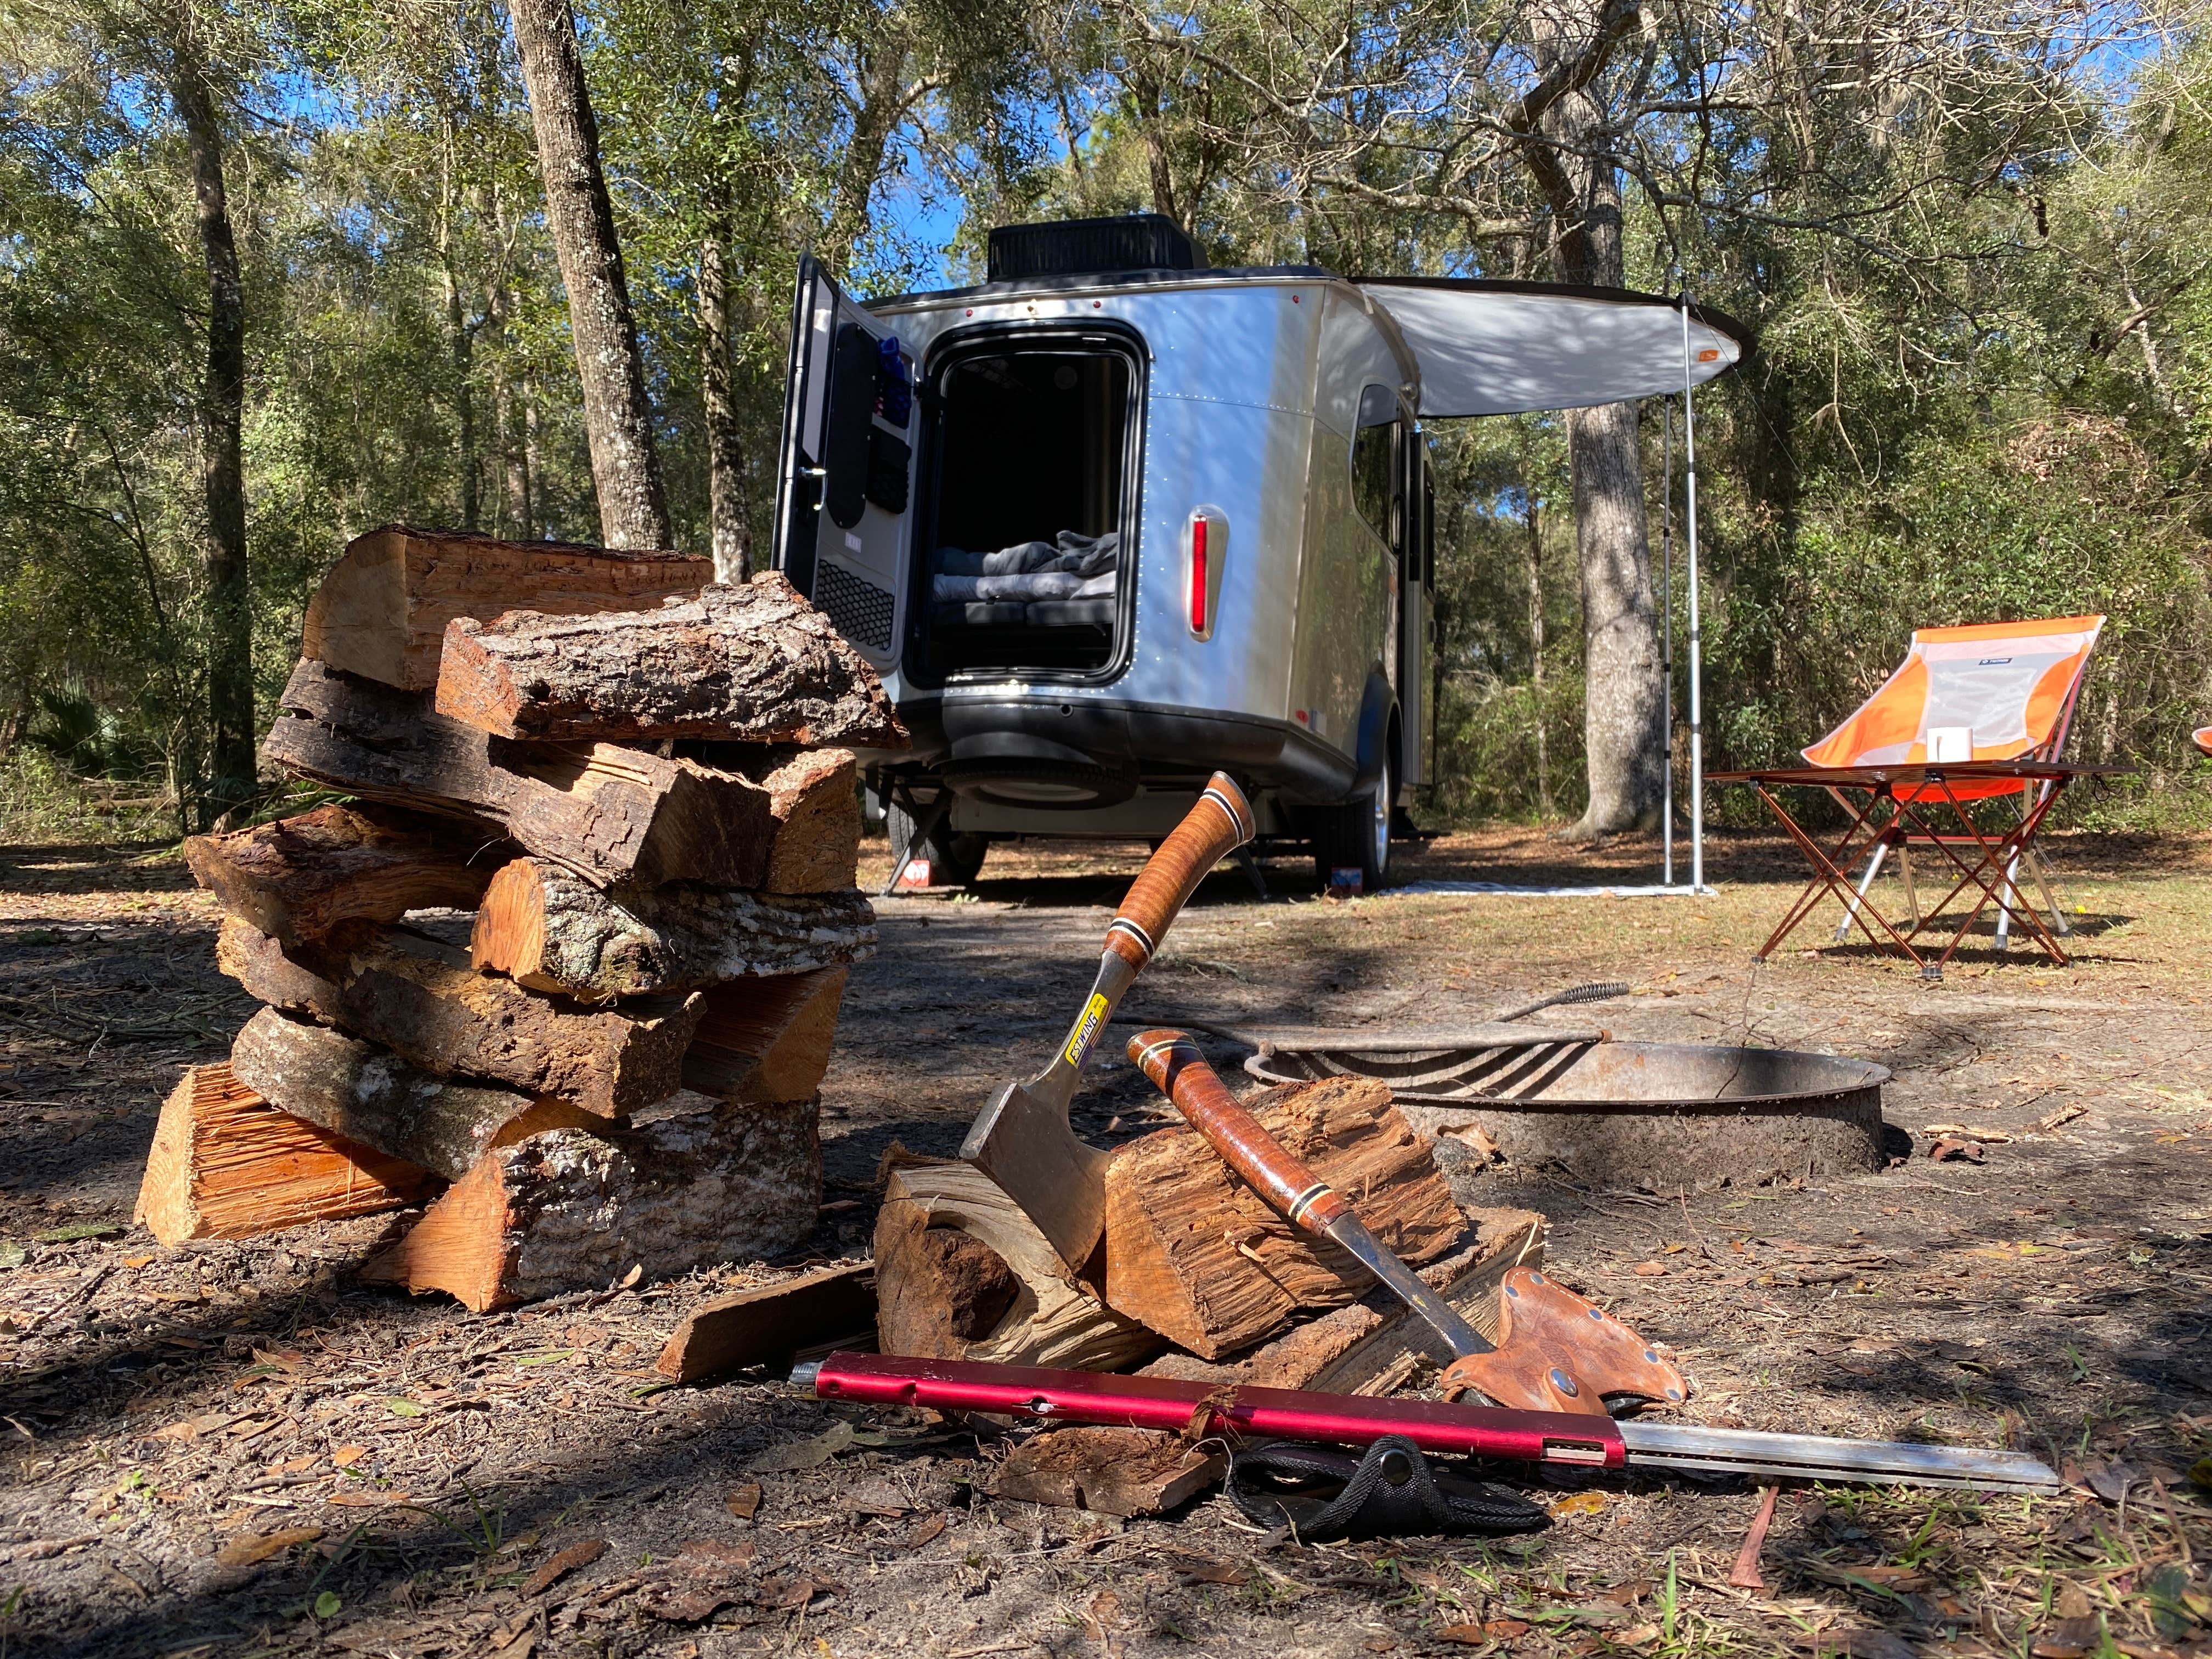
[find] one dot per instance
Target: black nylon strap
(1391, 1490)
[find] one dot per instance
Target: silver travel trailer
(1112, 520)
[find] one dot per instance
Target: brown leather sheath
(1553, 1345)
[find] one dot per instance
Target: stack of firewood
(573, 948)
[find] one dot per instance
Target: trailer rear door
(845, 486)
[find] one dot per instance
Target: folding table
(1898, 800)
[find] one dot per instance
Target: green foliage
(1975, 272)
(42, 802)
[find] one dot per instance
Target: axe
(1555, 1353)
(1022, 1139)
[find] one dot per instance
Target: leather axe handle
(1216, 826)
(1171, 1061)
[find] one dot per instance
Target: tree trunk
(617, 415)
(729, 534)
(222, 471)
(1537, 640)
(507, 509)
(883, 81)
(460, 339)
(1567, 154)
(1625, 687)
(522, 480)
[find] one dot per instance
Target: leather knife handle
(1216, 826)
(1176, 1068)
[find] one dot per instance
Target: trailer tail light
(1205, 546)
(1199, 619)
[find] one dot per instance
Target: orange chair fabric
(2011, 684)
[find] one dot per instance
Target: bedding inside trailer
(1026, 552)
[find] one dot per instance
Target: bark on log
(420, 999)
(1196, 1255)
(765, 1039)
(750, 664)
(929, 1293)
(543, 928)
(370, 1096)
(383, 609)
(772, 1324)
(225, 1163)
(609, 813)
(572, 1209)
(1375, 1344)
(299, 877)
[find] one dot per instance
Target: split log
(765, 1039)
(299, 877)
(774, 1324)
(1197, 1255)
(370, 1095)
(542, 927)
(225, 1163)
(997, 1291)
(1377, 1343)
(419, 998)
(572, 1209)
(1124, 1472)
(753, 663)
(383, 609)
(609, 813)
(814, 798)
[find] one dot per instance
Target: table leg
(1993, 856)
(1828, 879)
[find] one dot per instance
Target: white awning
(1490, 347)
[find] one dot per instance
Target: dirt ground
(231, 1448)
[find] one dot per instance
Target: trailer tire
(1357, 835)
(954, 860)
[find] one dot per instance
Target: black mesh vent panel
(861, 611)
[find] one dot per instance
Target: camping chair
(1988, 691)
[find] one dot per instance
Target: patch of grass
(43, 801)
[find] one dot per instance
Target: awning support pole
(1697, 701)
(1667, 635)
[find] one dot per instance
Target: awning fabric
(1490, 347)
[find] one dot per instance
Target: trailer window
(1374, 471)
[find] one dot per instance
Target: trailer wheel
(1357, 835)
(954, 860)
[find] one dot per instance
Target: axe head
(1021, 1140)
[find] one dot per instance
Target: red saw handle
(1176, 1068)
(1216, 826)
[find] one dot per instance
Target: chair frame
(1902, 833)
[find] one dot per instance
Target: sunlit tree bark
(617, 414)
